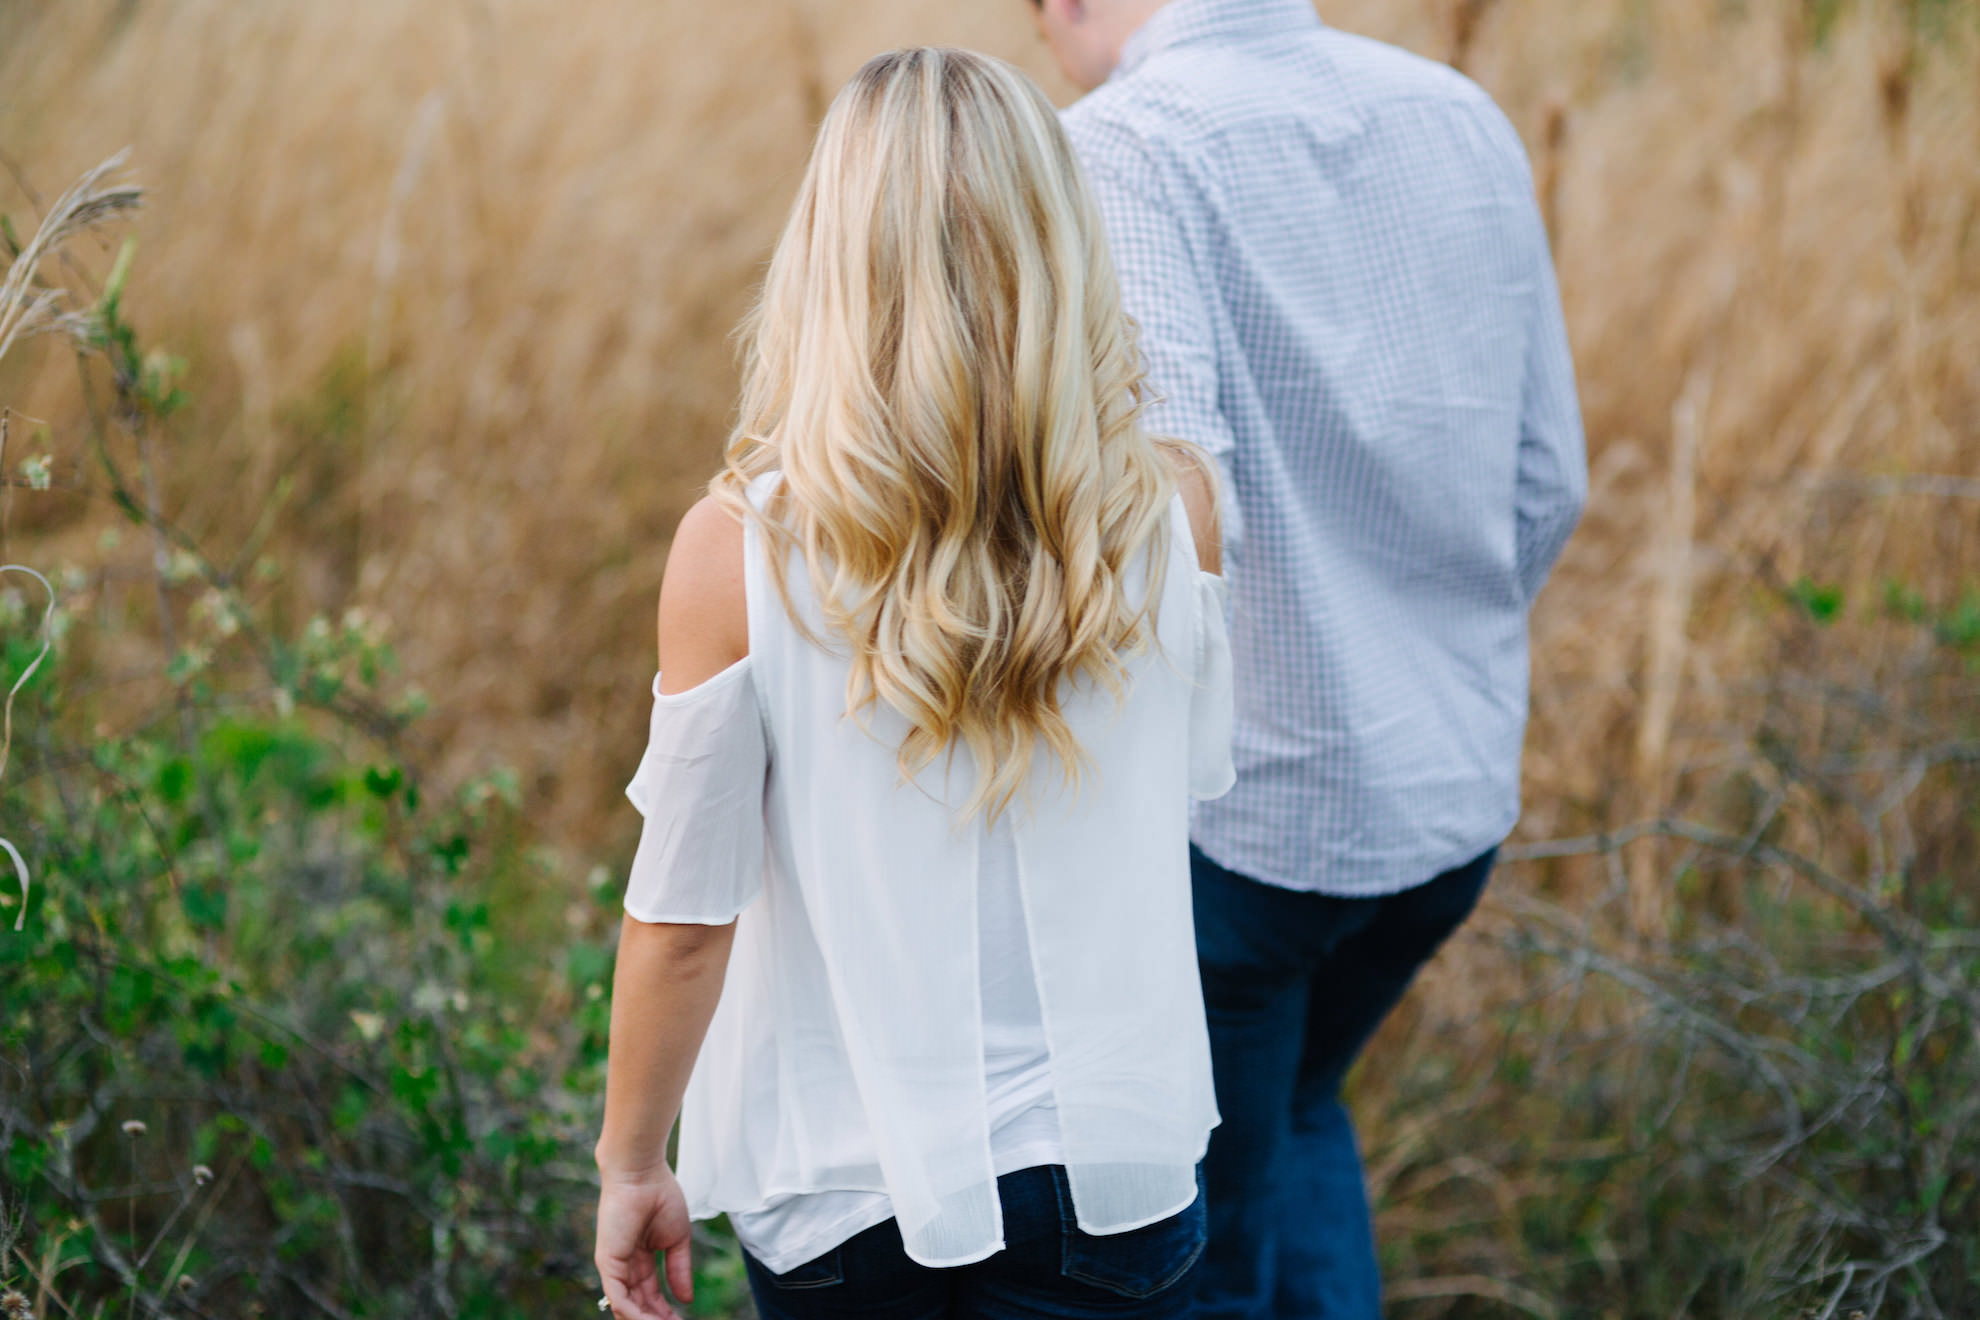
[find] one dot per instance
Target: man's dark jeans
(1048, 1269)
(1295, 984)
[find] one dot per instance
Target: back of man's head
(1086, 36)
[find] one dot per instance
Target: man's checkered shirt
(1344, 291)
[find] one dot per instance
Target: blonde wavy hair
(939, 366)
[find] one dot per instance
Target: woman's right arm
(668, 978)
(664, 992)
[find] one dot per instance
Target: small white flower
(201, 1175)
(217, 608)
(429, 997)
(134, 1127)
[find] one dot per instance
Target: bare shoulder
(1196, 478)
(704, 619)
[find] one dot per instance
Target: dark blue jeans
(1294, 985)
(1048, 1268)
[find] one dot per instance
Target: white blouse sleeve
(700, 787)
(1211, 773)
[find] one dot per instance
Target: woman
(941, 669)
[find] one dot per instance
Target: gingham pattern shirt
(1344, 291)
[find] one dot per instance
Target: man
(1344, 292)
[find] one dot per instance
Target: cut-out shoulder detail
(704, 620)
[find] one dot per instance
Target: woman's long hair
(940, 367)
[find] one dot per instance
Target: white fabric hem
(713, 683)
(1110, 1231)
(1226, 785)
(842, 1230)
(679, 919)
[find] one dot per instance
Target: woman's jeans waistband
(1049, 1267)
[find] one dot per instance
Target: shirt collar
(1186, 22)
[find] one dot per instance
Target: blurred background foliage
(355, 485)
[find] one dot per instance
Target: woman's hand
(664, 991)
(635, 1219)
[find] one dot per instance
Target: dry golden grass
(457, 281)
(463, 276)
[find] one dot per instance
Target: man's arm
(1163, 290)
(1553, 462)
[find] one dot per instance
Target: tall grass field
(345, 459)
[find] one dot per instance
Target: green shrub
(286, 1028)
(266, 1040)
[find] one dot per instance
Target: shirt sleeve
(1162, 290)
(1213, 700)
(700, 788)
(1553, 463)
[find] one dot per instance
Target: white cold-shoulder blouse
(847, 1052)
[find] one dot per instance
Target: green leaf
(1821, 603)
(26, 1158)
(415, 1087)
(1959, 627)
(173, 780)
(590, 964)
(464, 919)
(383, 781)
(1903, 601)
(205, 907)
(120, 274)
(352, 1104)
(452, 853)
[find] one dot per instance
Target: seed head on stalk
(28, 307)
